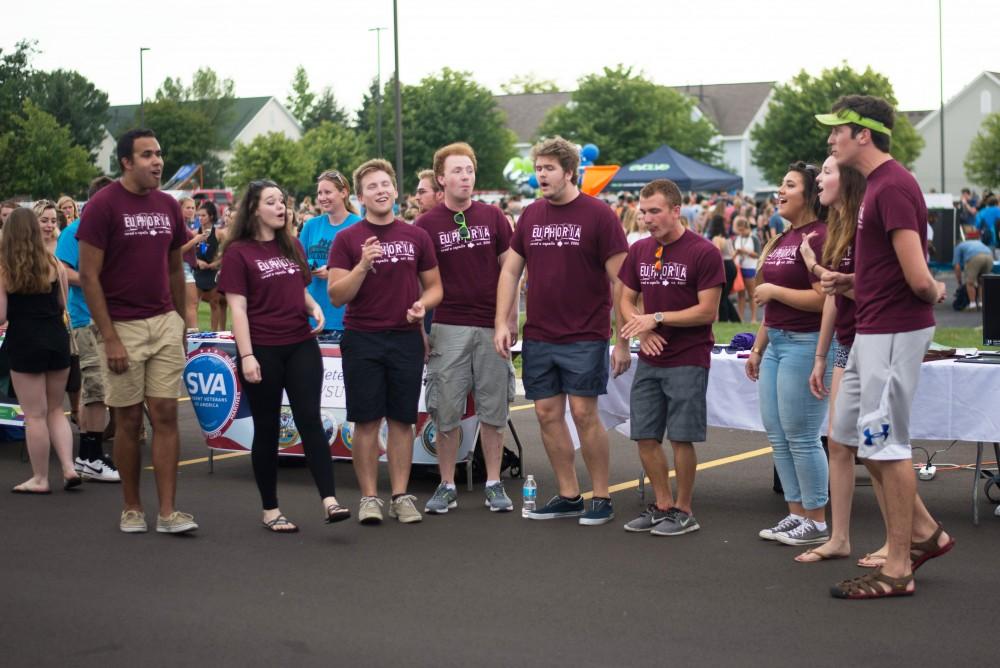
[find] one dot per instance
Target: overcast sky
(259, 44)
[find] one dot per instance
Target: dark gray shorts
(579, 368)
(843, 352)
(671, 399)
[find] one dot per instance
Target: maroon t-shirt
(844, 324)
(469, 267)
(274, 287)
(689, 265)
(885, 302)
(137, 234)
(785, 267)
(394, 284)
(565, 248)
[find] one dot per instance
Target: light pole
(378, 88)
(941, 90)
(399, 107)
(142, 97)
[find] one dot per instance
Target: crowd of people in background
(438, 282)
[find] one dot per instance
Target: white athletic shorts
(872, 411)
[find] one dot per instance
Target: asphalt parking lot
(472, 588)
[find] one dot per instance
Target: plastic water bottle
(530, 493)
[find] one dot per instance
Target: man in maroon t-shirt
(130, 269)
(895, 294)
(573, 246)
(386, 272)
(679, 275)
(470, 241)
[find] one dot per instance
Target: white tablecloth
(953, 402)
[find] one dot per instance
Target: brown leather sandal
(929, 549)
(870, 586)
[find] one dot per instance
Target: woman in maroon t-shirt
(792, 417)
(842, 190)
(264, 277)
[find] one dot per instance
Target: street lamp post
(399, 107)
(142, 97)
(378, 89)
(941, 89)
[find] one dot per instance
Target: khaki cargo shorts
(155, 360)
(92, 385)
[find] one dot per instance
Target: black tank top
(35, 307)
(211, 247)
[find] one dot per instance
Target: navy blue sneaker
(558, 507)
(601, 512)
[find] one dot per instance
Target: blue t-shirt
(68, 252)
(987, 218)
(967, 250)
(777, 223)
(317, 236)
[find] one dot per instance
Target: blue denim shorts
(579, 368)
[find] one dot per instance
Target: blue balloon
(590, 152)
(533, 181)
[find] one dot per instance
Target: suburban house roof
(123, 117)
(993, 76)
(731, 107)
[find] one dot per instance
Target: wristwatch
(658, 317)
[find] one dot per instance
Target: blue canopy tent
(666, 163)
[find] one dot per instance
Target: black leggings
(296, 368)
(727, 312)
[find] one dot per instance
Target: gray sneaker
(444, 499)
(370, 510)
(497, 500)
(806, 533)
(676, 523)
(648, 519)
(784, 525)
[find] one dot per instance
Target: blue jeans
(792, 416)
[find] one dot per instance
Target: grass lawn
(952, 337)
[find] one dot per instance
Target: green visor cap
(850, 116)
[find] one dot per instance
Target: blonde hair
(563, 151)
(339, 182)
(24, 261)
(429, 175)
(374, 165)
(630, 220)
(66, 198)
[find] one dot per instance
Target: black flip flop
(337, 513)
(72, 483)
(280, 521)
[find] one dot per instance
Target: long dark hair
(246, 225)
(810, 193)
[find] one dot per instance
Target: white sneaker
(97, 470)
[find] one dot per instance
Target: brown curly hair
(24, 261)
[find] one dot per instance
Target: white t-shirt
(745, 243)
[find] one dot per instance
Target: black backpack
(961, 298)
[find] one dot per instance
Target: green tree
(325, 110)
(300, 100)
(628, 116)
(789, 131)
(39, 159)
(272, 156)
(982, 164)
(208, 94)
(333, 146)
(186, 136)
(15, 80)
(75, 102)
(311, 109)
(528, 83)
(443, 108)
